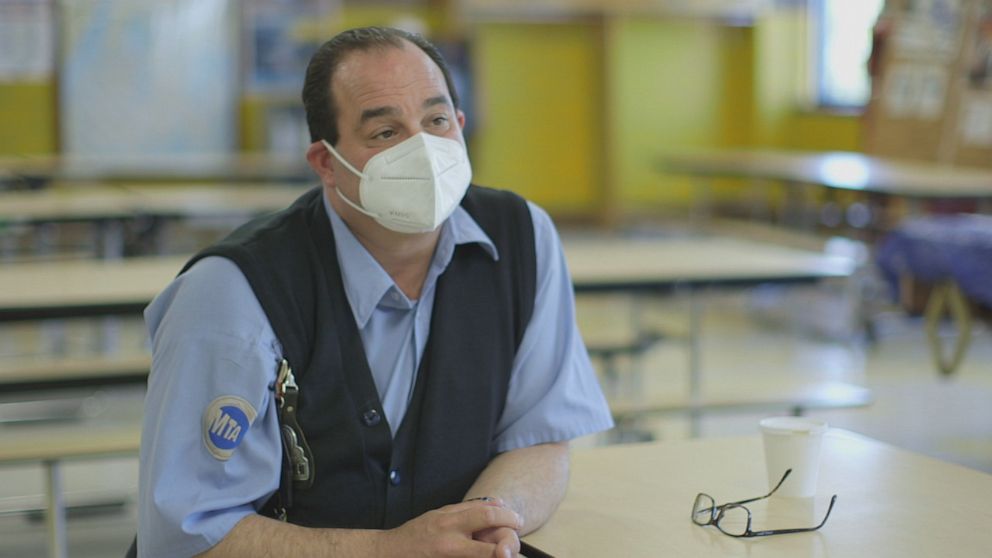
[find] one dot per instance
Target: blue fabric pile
(936, 248)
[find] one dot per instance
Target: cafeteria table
(635, 501)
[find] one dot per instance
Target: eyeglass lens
(702, 509)
(733, 520)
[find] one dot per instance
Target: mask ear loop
(354, 171)
(338, 156)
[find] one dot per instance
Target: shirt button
(394, 477)
(371, 417)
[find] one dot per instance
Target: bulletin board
(145, 78)
(974, 130)
(932, 97)
(279, 38)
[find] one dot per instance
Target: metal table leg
(55, 507)
(694, 358)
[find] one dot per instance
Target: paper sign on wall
(933, 90)
(916, 91)
(26, 41)
(976, 123)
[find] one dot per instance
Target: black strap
(531, 551)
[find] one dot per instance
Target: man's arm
(443, 532)
(530, 481)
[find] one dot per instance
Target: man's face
(383, 97)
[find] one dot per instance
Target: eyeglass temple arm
(801, 529)
(748, 501)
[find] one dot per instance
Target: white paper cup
(793, 443)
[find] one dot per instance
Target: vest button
(394, 477)
(371, 417)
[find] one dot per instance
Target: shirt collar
(366, 284)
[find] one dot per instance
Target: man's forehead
(364, 76)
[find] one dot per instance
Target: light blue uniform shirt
(212, 342)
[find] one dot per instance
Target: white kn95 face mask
(413, 186)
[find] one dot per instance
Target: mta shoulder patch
(225, 423)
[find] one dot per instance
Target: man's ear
(319, 159)
(460, 117)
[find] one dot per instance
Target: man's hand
(451, 530)
(507, 541)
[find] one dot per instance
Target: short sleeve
(210, 449)
(554, 394)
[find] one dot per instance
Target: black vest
(364, 478)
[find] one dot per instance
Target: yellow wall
(27, 119)
(540, 112)
(778, 50)
(709, 86)
(822, 131)
(665, 88)
(666, 84)
(737, 99)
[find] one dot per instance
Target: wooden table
(212, 201)
(839, 170)
(101, 201)
(66, 289)
(109, 208)
(83, 288)
(878, 177)
(92, 287)
(662, 264)
(55, 205)
(53, 443)
(33, 291)
(29, 375)
(635, 500)
(255, 167)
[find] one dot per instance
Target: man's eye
(385, 134)
(440, 120)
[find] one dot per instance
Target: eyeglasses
(734, 519)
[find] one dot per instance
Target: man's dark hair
(318, 102)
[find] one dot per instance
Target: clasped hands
(476, 528)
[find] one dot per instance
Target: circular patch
(225, 423)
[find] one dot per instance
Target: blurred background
(848, 140)
(582, 95)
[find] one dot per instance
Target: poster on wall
(976, 122)
(915, 91)
(929, 29)
(279, 38)
(145, 79)
(26, 40)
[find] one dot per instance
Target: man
(428, 324)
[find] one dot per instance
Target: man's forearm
(263, 537)
(445, 531)
(531, 481)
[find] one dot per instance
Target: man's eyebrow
(439, 100)
(369, 114)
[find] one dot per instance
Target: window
(842, 44)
